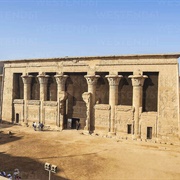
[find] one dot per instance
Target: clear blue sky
(58, 28)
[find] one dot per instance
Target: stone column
(137, 82)
(113, 98)
(61, 96)
(27, 93)
(43, 80)
(87, 99)
(92, 81)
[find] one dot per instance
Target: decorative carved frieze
(92, 79)
(125, 108)
(50, 103)
(18, 101)
(114, 79)
(33, 102)
(27, 79)
(102, 106)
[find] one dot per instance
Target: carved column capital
(138, 80)
(92, 79)
(114, 79)
(26, 79)
(61, 79)
(43, 79)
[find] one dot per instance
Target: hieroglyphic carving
(87, 98)
(102, 117)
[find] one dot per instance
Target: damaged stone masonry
(135, 96)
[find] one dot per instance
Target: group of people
(39, 126)
(9, 176)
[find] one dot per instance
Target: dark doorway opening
(17, 118)
(129, 128)
(149, 132)
(73, 123)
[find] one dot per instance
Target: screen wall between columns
(125, 89)
(51, 87)
(18, 86)
(102, 89)
(35, 87)
(150, 92)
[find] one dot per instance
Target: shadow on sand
(30, 169)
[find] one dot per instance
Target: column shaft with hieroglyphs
(87, 99)
(62, 96)
(113, 98)
(27, 94)
(92, 81)
(43, 80)
(137, 82)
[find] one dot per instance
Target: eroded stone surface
(85, 93)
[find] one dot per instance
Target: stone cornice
(33, 102)
(111, 57)
(50, 103)
(124, 108)
(102, 106)
(18, 101)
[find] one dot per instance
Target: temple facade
(128, 96)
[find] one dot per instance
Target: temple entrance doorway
(149, 132)
(76, 85)
(17, 118)
(73, 123)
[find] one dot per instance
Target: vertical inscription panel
(50, 115)
(102, 118)
(33, 113)
(124, 116)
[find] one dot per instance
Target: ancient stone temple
(128, 96)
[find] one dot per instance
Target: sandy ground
(84, 157)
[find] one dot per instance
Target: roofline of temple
(170, 55)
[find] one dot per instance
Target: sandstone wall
(164, 122)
